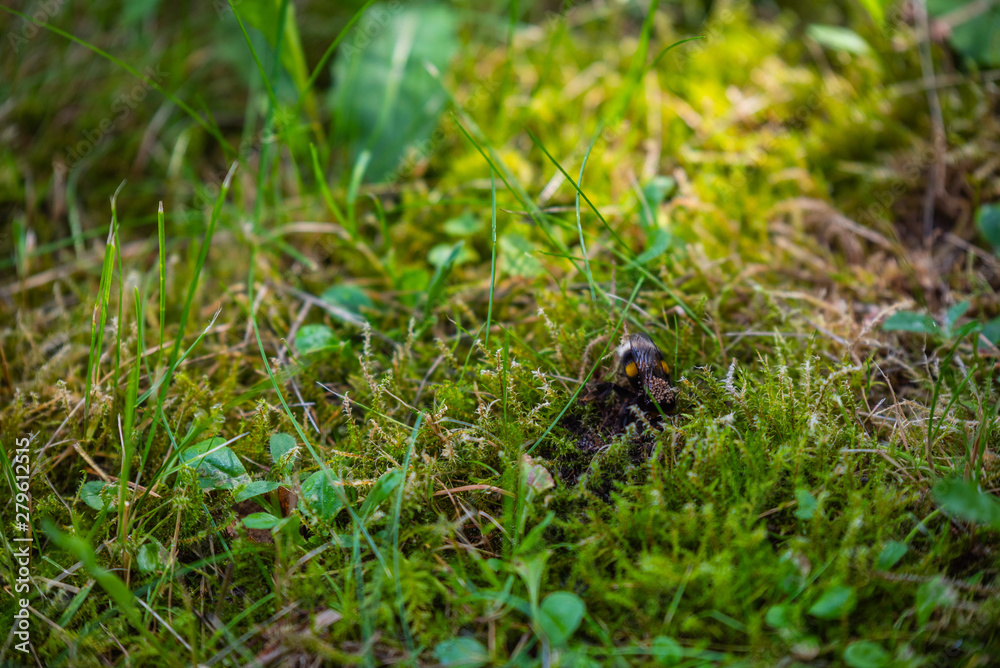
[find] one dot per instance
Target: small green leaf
(256, 488)
(465, 225)
(218, 467)
(655, 192)
(311, 338)
(440, 276)
(560, 616)
(660, 243)
(280, 445)
(835, 602)
(461, 652)
(907, 321)
(890, 555)
(319, 499)
(666, 651)
(347, 296)
(807, 504)
(961, 498)
(440, 254)
(988, 223)
(265, 521)
(151, 556)
(778, 616)
(838, 38)
(930, 596)
(90, 494)
(865, 654)
(991, 330)
(954, 313)
(381, 490)
(516, 256)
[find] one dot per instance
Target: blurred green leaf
(311, 338)
(977, 37)
(667, 651)
(778, 616)
(439, 255)
(930, 596)
(954, 313)
(834, 603)
(436, 287)
(907, 321)
(319, 499)
(560, 616)
(265, 16)
(963, 499)
(347, 296)
(461, 653)
(516, 256)
(217, 467)
(463, 226)
(807, 504)
(991, 330)
(890, 555)
(876, 9)
(384, 98)
(988, 224)
(660, 243)
(838, 38)
(655, 192)
(865, 654)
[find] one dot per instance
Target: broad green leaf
(465, 225)
(988, 223)
(667, 651)
(876, 9)
(838, 38)
(347, 296)
(311, 338)
(560, 616)
(319, 499)
(907, 321)
(516, 256)
(930, 596)
(530, 570)
(835, 602)
(151, 557)
(462, 653)
(807, 504)
(890, 555)
(385, 97)
(256, 488)
(865, 654)
(961, 498)
(217, 467)
(280, 445)
(265, 521)
(90, 494)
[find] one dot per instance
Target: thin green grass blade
(161, 236)
(493, 253)
(324, 189)
(394, 528)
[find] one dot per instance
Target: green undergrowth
(348, 404)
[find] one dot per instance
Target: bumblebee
(642, 372)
